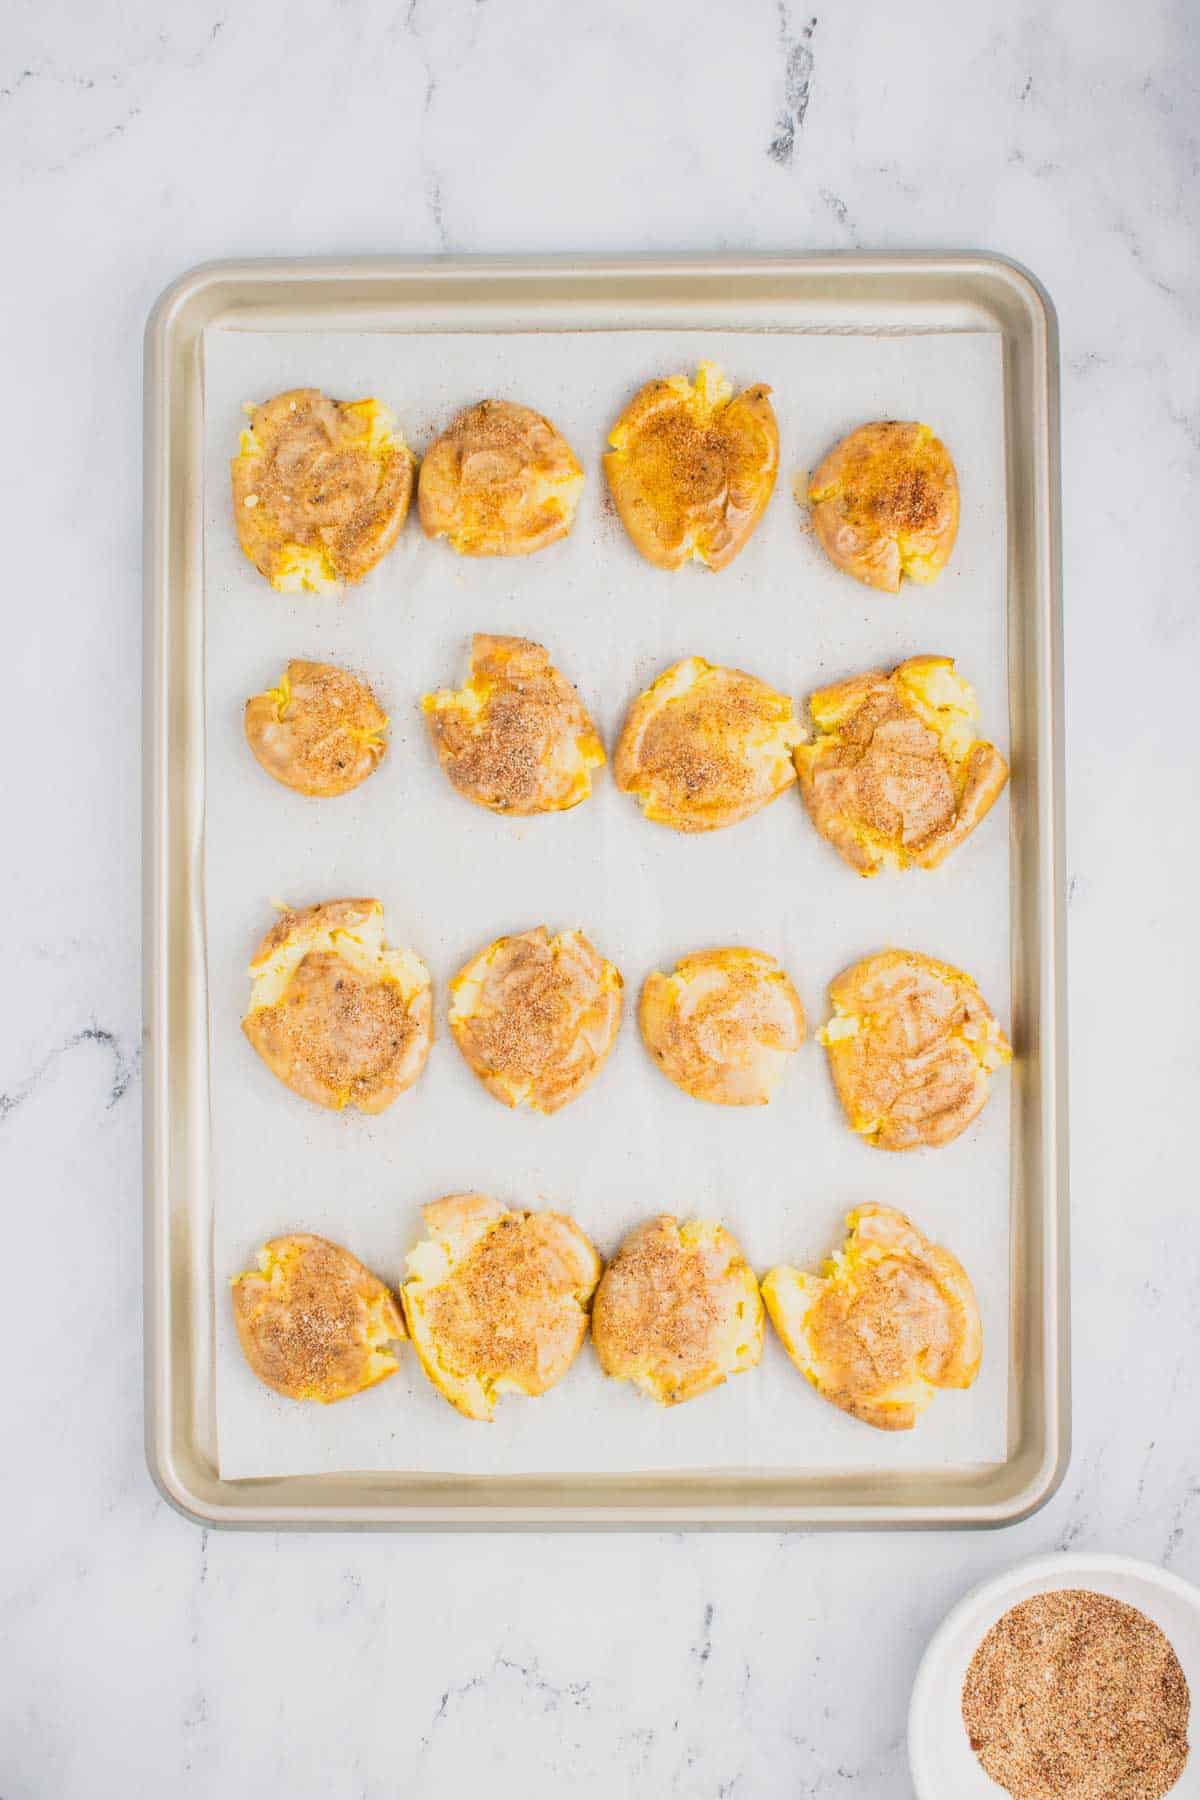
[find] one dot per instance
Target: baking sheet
(453, 877)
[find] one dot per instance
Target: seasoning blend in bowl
(1064, 1677)
(1073, 1695)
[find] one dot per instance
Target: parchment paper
(452, 877)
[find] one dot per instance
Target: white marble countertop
(138, 139)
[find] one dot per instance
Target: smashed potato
(896, 776)
(691, 468)
(497, 1301)
(313, 1323)
(884, 504)
(535, 1017)
(912, 1047)
(677, 1310)
(321, 489)
(892, 1318)
(517, 738)
(341, 1018)
(704, 746)
(724, 1025)
(500, 481)
(321, 732)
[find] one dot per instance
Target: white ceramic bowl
(944, 1766)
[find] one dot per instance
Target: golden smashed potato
(705, 746)
(535, 1017)
(896, 775)
(892, 1318)
(320, 489)
(884, 504)
(497, 1301)
(313, 1323)
(517, 738)
(500, 481)
(912, 1047)
(723, 1025)
(321, 731)
(339, 1016)
(691, 468)
(677, 1310)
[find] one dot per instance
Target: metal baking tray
(855, 292)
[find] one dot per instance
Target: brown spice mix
(1075, 1696)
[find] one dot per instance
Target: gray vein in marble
(1188, 422)
(1085, 1484)
(1141, 1484)
(1177, 115)
(642, 1739)
(197, 1713)
(1071, 1536)
(1086, 362)
(797, 86)
(58, 950)
(166, 55)
(433, 201)
(1139, 255)
(431, 182)
(841, 212)
(1179, 1522)
(66, 1568)
(1157, 381)
(553, 1694)
(124, 1068)
(1040, 170)
(702, 1649)
(892, 175)
(107, 137)
(851, 1775)
(76, 81)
